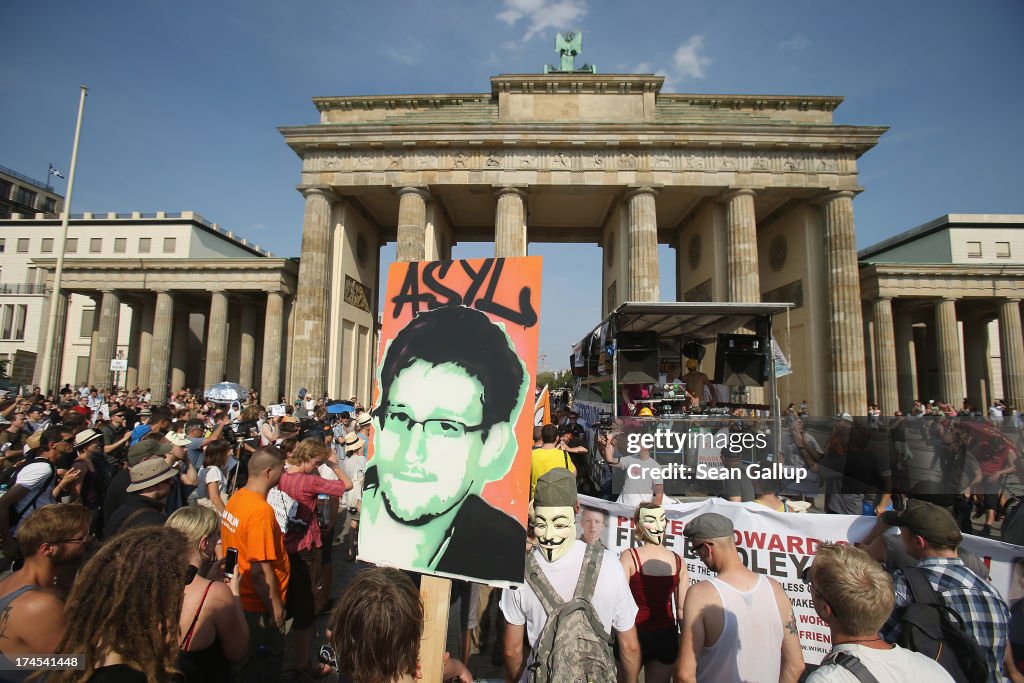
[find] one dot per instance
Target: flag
(55, 172)
(542, 408)
(782, 366)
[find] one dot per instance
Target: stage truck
(692, 383)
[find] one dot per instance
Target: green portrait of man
(452, 390)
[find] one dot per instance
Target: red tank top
(653, 596)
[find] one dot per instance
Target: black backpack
(930, 627)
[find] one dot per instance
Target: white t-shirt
(612, 600)
(888, 666)
(212, 474)
(355, 468)
(35, 478)
(641, 478)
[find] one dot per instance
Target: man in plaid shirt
(931, 536)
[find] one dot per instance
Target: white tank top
(750, 647)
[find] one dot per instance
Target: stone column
(887, 392)
(270, 382)
(247, 346)
(309, 342)
(1011, 347)
(744, 279)
(160, 346)
(145, 344)
(906, 364)
(947, 346)
(216, 339)
(106, 339)
(510, 223)
(412, 223)
(925, 360)
(846, 326)
(976, 362)
(52, 383)
(179, 352)
(644, 280)
(134, 334)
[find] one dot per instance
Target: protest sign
(447, 483)
(780, 545)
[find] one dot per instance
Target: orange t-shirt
(248, 524)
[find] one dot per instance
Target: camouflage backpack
(574, 646)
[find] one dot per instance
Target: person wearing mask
(656, 576)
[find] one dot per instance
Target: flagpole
(51, 324)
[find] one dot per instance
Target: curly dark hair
(127, 599)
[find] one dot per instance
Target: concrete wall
(614, 259)
(354, 250)
(988, 237)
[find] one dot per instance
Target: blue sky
(185, 97)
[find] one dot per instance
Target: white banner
(781, 545)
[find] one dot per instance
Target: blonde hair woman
(213, 628)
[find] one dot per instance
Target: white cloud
(688, 62)
(406, 56)
(562, 15)
(796, 43)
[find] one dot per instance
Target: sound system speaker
(638, 366)
(741, 360)
(636, 341)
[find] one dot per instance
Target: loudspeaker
(638, 367)
(741, 360)
(637, 341)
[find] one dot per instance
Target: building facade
(942, 310)
(184, 302)
(20, 194)
(754, 192)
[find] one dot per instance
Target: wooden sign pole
(435, 593)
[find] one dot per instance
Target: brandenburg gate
(754, 192)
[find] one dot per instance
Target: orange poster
(448, 483)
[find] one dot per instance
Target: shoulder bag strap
(921, 589)
(187, 640)
(47, 486)
(546, 593)
(854, 666)
(589, 572)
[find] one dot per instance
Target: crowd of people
(204, 530)
(193, 541)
